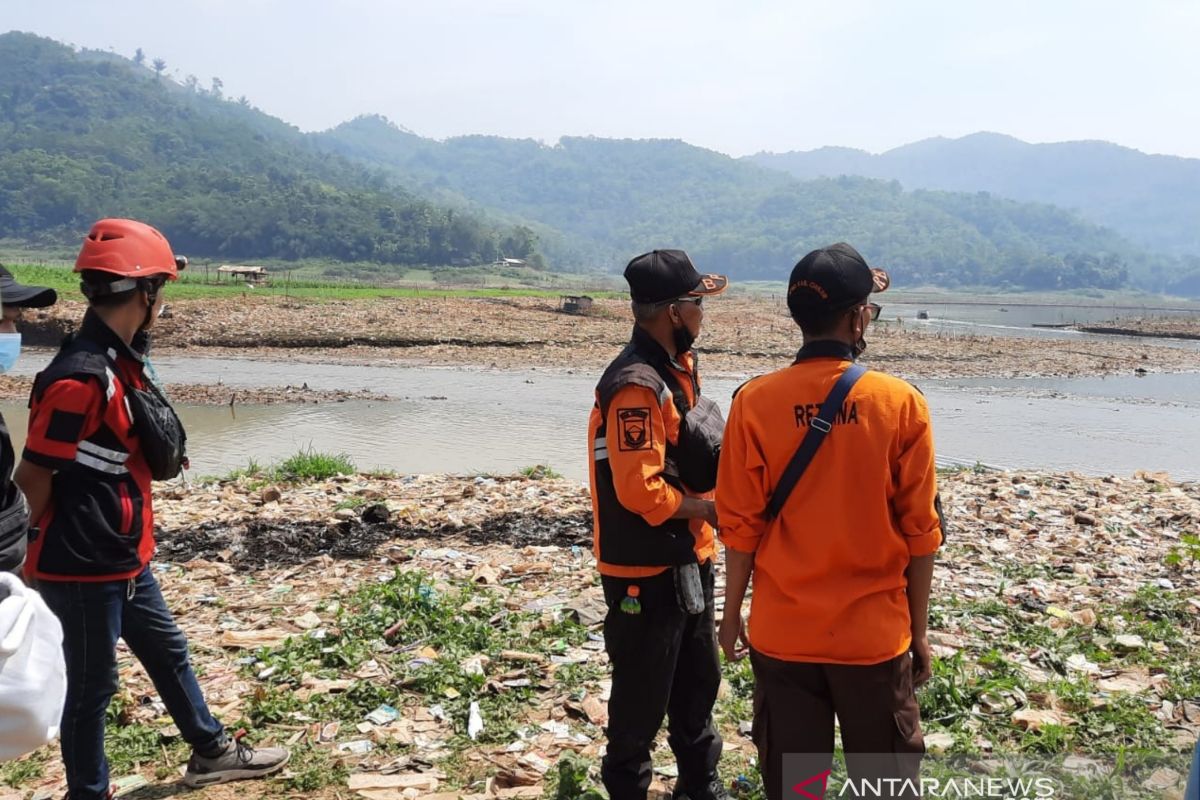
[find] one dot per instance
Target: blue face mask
(10, 348)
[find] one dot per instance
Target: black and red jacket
(99, 523)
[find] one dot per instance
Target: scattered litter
(269, 637)
(474, 721)
(127, 784)
(1103, 602)
(383, 715)
(391, 787)
(308, 621)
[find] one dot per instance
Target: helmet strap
(93, 290)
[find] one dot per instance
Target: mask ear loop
(151, 289)
(860, 343)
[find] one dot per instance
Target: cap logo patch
(807, 284)
(881, 279)
(709, 283)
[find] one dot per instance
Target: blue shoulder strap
(818, 427)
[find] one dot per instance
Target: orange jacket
(637, 471)
(829, 572)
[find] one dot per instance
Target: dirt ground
(365, 620)
(742, 335)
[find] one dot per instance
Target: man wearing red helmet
(99, 432)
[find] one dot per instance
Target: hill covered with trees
(86, 134)
(623, 196)
(1153, 200)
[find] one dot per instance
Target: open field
(743, 335)
(337, 281)
(1064, 620)
(1167, 327)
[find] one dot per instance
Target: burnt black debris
(258, 544)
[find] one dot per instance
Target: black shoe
(715, 789)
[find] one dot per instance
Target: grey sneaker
(239, 762)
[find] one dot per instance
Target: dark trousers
(93, 616)
(664, 664)
(794, 707)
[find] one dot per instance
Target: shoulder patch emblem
(634, 428)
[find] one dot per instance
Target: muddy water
(1019, 319)
(470, 420)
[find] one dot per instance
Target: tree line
(84, 136)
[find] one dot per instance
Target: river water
(480, 420)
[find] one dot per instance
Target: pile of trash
(418, 636)
(743, 334)
(17, 388)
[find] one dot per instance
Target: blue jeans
(93, 616)
(1193, 784)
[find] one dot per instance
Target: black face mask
(684, 339)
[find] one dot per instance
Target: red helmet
(128, 248)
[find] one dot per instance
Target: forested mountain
(1153, 200)
(87, 134)
(84, 135)
(622, 196)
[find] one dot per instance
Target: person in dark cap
(654, 442)
(32, 670)
(19, 296)
(827, 494)
(14, 513)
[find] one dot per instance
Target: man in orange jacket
(654, 441)
(842, 573)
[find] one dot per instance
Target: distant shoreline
(743, 335)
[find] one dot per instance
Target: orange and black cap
(663, 275)
(832, 279)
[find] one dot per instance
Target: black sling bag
(818, 427)
(159, 430)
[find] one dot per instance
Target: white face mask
(10, 348)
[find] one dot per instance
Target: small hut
(575, 304)
(248, 274)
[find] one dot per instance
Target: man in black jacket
(14, 513)
(654, 445)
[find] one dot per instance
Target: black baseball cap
(832, 279)
(17, 294)
(662, 275)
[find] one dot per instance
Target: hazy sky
(738, 77)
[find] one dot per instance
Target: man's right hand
(922, 660)
(697, 508)
(732, 636)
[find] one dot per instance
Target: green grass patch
(306, 465)
(1187, 552)
(572, 780)
(313, 768)
(19, 774)
(331, 281)
(420, 616)
(312, 465)
(540, 472)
